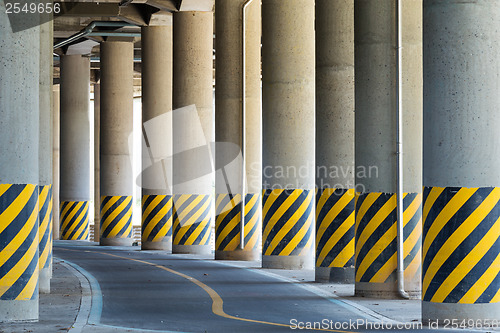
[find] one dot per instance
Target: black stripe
(330, 202)
(20, 283)
(235, 211)
(161, 223)
(294, 230)
(491, 291)
(9, 233)
(10, 195)
(123, 212)
(84, 220)
(112, 208)
(413, 253)
(155, 212)
(193, 227)
(223, 203)
(334, 225)
(105, 201)
(337, 248)
(454, 222)
(251, 232)
(195, 209)
(64, 205)
(460, 253)
(380, 261)
(370, 213)
(389, 221)
(73, 219)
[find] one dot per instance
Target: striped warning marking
(376, 236)
(335, 228)
(45, 222)
(192, 219)
(19, 245)
(227, 221)
(75, 220)
(156, 217)
(116, 216)
(287, 222)
(461, 248)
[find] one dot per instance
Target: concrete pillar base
(382, 291)
(191, 249)
(237, 255)
(432, 312)
(44, 280)
(287, 262)
(341, 275)
(165, 245)
(19, 310)
(116, 241)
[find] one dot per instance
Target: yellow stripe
(431, 198)
(204, 240)
(4, 188)
(20, 267)
(337, 235)
(289, 201)
(235, 222)
(375, 222)
(327, 193)
(292, 221)
(14, 208)
(367, 203)
(271, 198)
(110, 203)
(483, 282)
(464, 230)
(85, 224)
(155, 220)
(445, 215)
(202, 224)
(414, 267)
(190, 208)
(111, 217)
(29, 288)
(163, 231)
(332, 214)
(123, 221)
(78, 219)
(299, 236)
(152, 205)
(344, 256)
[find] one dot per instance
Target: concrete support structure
(228, 131)
(461, 161)
(157, 129)
(97, 172)
(19, 128)
(56, 122)
(335, 141)
(288, 60)
(45, 158)
(193, 131)
(75, 147)
(376, 128)
(116, 125)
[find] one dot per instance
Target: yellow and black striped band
(75, 220)
(116, 216)
(376, 236)
(19, 245)
(335, 228)
(287, 217)
(228, 218)
(45, 221)
(156, 218)
(461, 245)
(192, 219)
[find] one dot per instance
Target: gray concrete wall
(75, 129)
(116, 118)
(97, 163)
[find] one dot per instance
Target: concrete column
(116, 126)
(375, 152)
(461, 161)
(157, 129)
(335, 141)
(45, 157)
(288, 75)
(19, 128)
(97, 172)
(193, 131)
(55, 159)
(75, 147)
(228, 131)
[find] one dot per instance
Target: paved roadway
(146, 290)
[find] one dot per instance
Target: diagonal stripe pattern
(461, 247)
(287, 217)
(45, 225)
(192, 219)
(376, 236)
(116, 216)
(335, 228)
(75, 220)
(156, 218)
(19, 242)
(228, 218)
